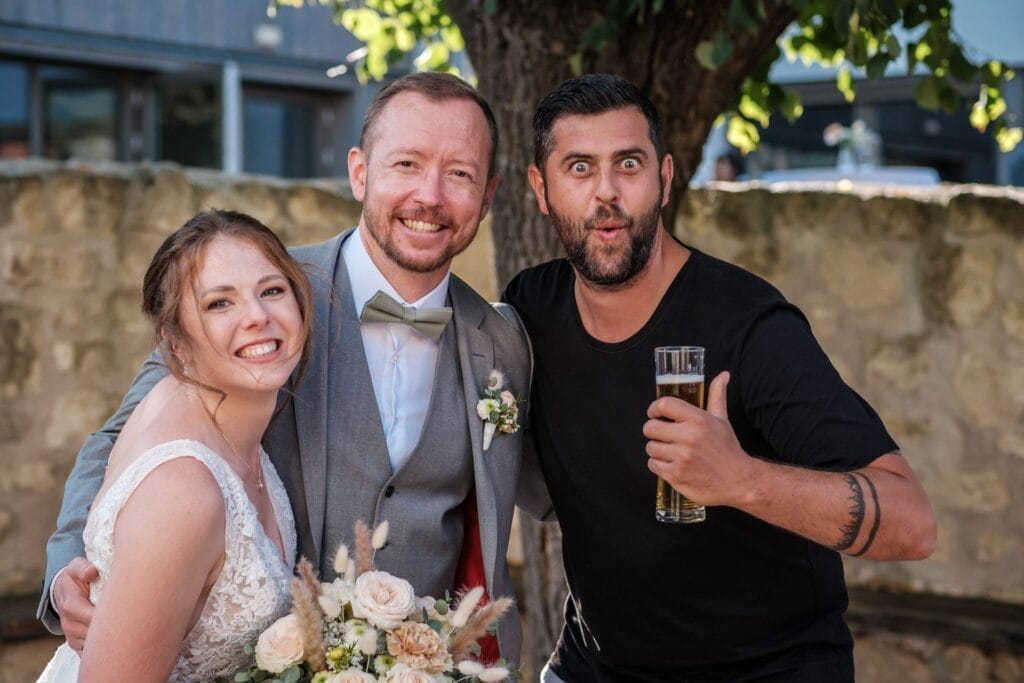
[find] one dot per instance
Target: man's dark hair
(590, 94)
(436, 87)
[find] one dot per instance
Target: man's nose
(607, 187)
(430, 189)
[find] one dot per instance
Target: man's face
(422, 179)
(603, 187)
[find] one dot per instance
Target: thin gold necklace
(257, 474)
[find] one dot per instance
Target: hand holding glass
(679, 372)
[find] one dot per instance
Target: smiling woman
(211, 524)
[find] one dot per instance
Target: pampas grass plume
(380, 536)
(476, 628)
(467, 604)
(468, 667)
(307, 610)
(364, 549)
(497, 673)
(341, 559)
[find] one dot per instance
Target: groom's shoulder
(314, 253)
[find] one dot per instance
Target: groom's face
(423, 181)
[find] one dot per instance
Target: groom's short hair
(436, 87)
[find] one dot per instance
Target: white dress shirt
(402, 361)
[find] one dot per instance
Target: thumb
(716, 396)
(90, 573)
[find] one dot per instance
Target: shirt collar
(366, 279)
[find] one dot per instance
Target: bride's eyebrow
(231, 288)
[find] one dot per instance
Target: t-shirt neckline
(652, 322)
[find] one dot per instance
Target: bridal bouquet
(368, 626)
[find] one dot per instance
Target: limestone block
(260, 200)
(989, 387)
(19, 350)
(984, 492)
(22, 661)
(318, 214)
(6, 521)
(75, 415)
(1013, 319)
(57, 266)
(35, 476)
(1012, 444)
(903, 365)
(882, 659)
(28, 210)
(160, 200)
(901, 217)
(818, 212)
(966, 664)
(990, 210)
(992, 546)
(85, 204)
(1007, 668)
(13, 424)
(864, 276)
(972, 285)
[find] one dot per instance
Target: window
(188, 123)
(14, 110)
(80, 114)
(278, 135)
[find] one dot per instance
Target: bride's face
(242, 320)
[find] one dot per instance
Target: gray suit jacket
(300, 445)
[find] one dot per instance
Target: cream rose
(400, 673)
(382, 599)
(280, 646)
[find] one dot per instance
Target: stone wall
(917, 297)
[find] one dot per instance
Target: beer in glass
(679, 372)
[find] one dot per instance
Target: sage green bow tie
(429, 322)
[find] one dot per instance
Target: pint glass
(679, 372)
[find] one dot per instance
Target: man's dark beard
(642, 232)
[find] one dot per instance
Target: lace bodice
(252, 589)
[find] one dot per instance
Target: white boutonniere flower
(499, 408)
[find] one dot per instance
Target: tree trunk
(520, 52)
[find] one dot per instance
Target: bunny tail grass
(476, 627)
(364, 548)
(311, 621)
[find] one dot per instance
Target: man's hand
(696, 451)
(71, 600)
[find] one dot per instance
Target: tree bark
(520, 52)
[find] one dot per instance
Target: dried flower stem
(364, 549)
(476, 627)
(307, 610)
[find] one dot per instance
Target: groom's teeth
(422, 226)
(257, 350)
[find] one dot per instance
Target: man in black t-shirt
(795, 467)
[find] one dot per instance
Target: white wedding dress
(251, 591)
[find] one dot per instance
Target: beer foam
(680, 379)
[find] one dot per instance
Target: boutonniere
(498, 408)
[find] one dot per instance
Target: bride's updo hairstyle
(175, 266)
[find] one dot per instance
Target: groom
(383, 422)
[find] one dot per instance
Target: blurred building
(207, 83)
(910, 137)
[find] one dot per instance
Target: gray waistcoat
(422, 501)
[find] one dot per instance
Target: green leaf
(979, 117)
(242, 677)
(791, 107)
(441, 607)
(927, 93)
(291, 675)
(742, 134)
(876, 66)
(490, 7)
(1008, 138)
(961, 69)
(598, 33)
(844, 83)
(713, 53)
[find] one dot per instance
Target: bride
(202, 527)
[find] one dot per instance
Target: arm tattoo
(851, 530)
(878, 518)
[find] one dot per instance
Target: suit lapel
(476, 359)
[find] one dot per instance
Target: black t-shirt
(652, 601)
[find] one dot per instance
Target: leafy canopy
(864, 35)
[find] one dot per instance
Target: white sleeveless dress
(251, 591)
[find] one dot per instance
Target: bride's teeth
(257, 350)
(422, 226)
